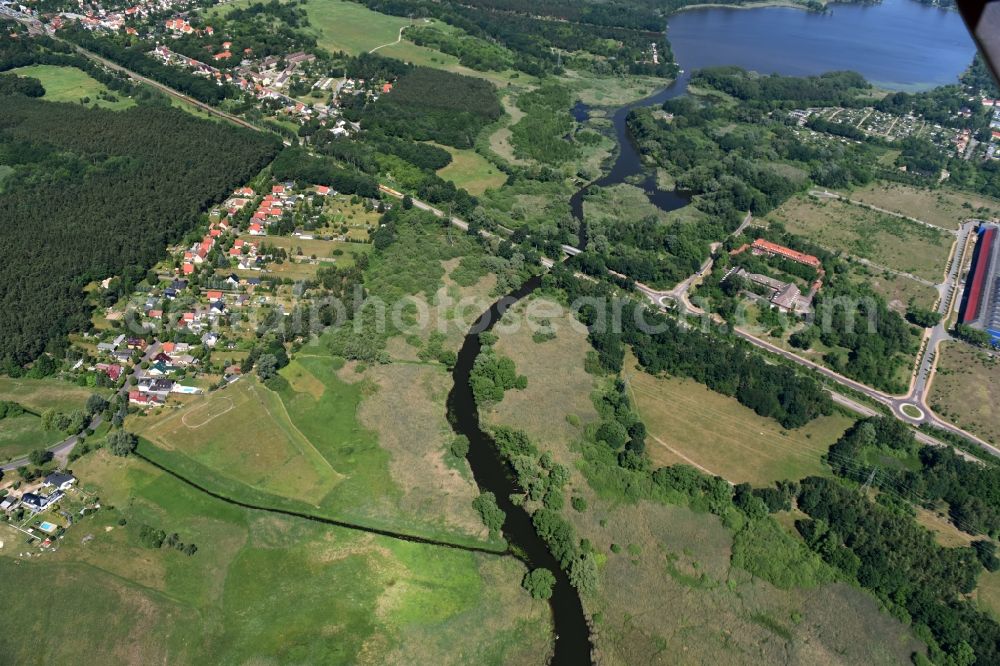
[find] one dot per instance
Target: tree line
(97, 193)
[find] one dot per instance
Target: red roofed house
(155, 314)
(209, 30)
(167, 347)
(257, 230)
(386, 87)
(213, 295)
(222, 56)
(245, 192)
(761, 246)
(187, 268)
(322, 190)
(278, 189)
(214, 233)
(144, 399)
(112, 371)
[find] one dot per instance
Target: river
(899, 44)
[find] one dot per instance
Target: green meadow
(261, 588)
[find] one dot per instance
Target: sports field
(944, 208)
(69, 84)
(884, 239)
(966, 389)
(688, 423)
(243, 433)
(261, 588)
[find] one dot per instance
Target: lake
(898, 44)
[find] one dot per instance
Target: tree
(539, 583)
(492, 515)
(407, 202)
(583, 574)
(460, 446)
(96, 404)
(121, 442)
(39, 457)
(267, 366)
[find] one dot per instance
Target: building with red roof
(762, 246)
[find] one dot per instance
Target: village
(190, 327)
(291, 87)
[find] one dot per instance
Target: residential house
(144, 399)
(9, 502)
(59, 480)
(36, 503)
(113, 371)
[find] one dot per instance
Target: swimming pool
(46, 526)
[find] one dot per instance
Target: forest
(432, 105)
(97, 193)
(612, 39)
(887, 552)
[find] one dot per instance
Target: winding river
(899, 44)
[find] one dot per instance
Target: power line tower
(868, 483)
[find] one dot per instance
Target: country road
(913, 400)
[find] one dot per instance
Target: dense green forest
(431, 105)
(886, 551)
(609, 38)
(97, 193)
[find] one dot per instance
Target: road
(207, 108)
(679, 293)
(913, 401)
(62, 450)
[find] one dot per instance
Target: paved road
(62, 450)
(30, 22)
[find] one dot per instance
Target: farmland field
(69, 84)
(261, 588)
(943, 208)
(966, 389)
(886, 240)
(244, 434)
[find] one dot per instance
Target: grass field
(668, 591)
(886, 240)
(558, 389)
(22, 434)
(966, 389)
(407, 412)
(351, 27)
(38, 395)
(322, 249)
(471, 171)
(261, 588)
(897, 290)
(988, 592)
(689, 423)
(69, 84)
(243, 433)
(944, 208)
